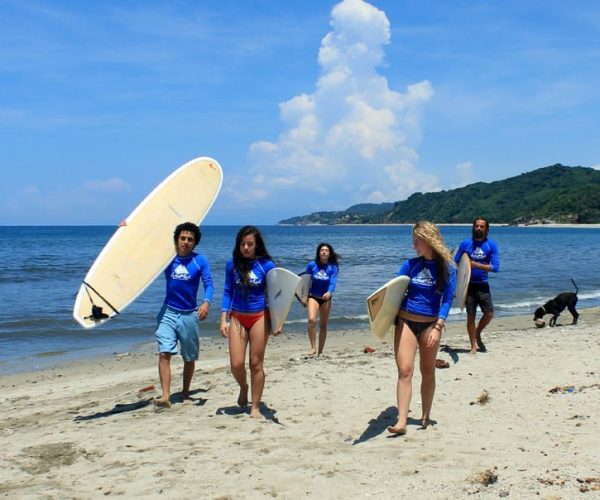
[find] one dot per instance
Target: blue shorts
(178, 326)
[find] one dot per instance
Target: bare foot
(255, 413)
(312, 352)
(162, 402)
(399, 430)
(243, 397)
(473, 350)
(425, 422)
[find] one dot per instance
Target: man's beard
(478, 234)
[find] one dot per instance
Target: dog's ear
(539, 313)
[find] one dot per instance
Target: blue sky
(307, 104)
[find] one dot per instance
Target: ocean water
(41, 269)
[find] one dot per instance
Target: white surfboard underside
(303, 287)
(384, 303)
(281, 290)
(139, 251)
(463, 276)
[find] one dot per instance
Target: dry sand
(518, 421)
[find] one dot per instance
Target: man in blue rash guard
(178, 320)
(483, 253)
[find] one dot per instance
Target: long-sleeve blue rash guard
(484, 252)
(324, 278)
(422, 296)
(183, 277)
(246, 300)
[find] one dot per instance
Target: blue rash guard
(484, 252)
(324, 278)
(422, 296)
(246, 300)
(183, 277)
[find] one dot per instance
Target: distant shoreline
(460, 224)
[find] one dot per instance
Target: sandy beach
(520, 420)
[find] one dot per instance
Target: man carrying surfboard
(483, 253)
(178, 320)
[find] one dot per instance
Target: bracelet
(438, 327)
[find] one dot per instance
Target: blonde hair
(430, 234)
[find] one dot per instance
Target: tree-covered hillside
(356, 213)
(551, 194)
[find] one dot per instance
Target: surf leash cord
(97, 313)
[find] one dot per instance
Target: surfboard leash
(97, 313)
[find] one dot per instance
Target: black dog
(558, 304)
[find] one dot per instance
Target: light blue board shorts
(178, 326)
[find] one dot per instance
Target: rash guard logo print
(321, 275)
(180, 273)
(424, 278)
(478, 254)
(253, 280)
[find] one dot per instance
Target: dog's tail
(575, 285)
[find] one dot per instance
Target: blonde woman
(421, 318)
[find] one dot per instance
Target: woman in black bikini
(323, 271)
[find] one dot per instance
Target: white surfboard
(281, 290)
(384, 303)
(463, 276)
(303, 287)
(140, 249)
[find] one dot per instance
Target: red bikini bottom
(247, 320)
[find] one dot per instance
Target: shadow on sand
(142, 403)
(453, 353)
(380, 424)
(268, 413)
(118, 408)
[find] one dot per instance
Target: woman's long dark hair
(240, 262)
(333, 257)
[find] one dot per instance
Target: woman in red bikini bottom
(245, 303)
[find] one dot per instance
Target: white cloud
(596, 167)
(464, 174)
(353, 138)
(111, 185)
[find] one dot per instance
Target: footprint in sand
(41, 459)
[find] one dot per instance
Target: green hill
(557, 193)
(356, 213)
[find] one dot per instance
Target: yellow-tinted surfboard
(141, 248)
(383, 305)
(463, 277)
